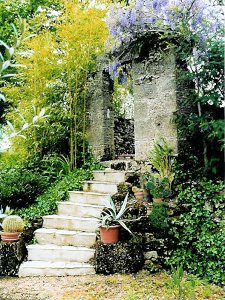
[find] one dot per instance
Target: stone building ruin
(155, 101)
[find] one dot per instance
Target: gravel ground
(52, 288)
(98, 287)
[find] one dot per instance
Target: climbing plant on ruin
(194, 30)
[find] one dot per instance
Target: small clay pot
(109, 235)
(157, 200)
(10, 237)
(139, 196)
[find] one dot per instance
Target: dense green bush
(47, 203)
(158, 217)
(199, 233)
(19, 187)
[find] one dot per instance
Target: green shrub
(159, 187)
(158, 217)
(199, 233)
(47, 203)
(54, 166)
(19, 187)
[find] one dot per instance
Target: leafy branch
(6, 58)
(36, 118)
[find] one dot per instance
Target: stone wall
(101, 115)
(124, 136)
(154, 101)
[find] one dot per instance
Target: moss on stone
(119, 258)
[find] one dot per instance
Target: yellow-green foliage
(65, 51)
(82, 34)
(13, 224)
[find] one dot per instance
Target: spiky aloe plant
(110, 216)
(13, 224)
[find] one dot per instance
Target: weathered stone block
(152, 255)
(11, 257)
(119, 258)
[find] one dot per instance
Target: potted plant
(159, 188)
(160, 180)
(139, 193)
(12, 228)
(111, 221)
(161, 158)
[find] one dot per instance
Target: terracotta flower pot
(157, 200)
(10, 237)
(139, 195)
(109, 235)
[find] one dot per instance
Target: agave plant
(110, 216)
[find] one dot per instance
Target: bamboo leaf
(12, 135)
(29, 37)
(4, 44)
(8, 75)
(19, 66)
(14, 29)
(6, 64)
(34, 109)
(1, 57)
(22, 136)
(35, 118)
(9, 52)
(10, 126)
(22, 117)
(42, 112)
(25, 126)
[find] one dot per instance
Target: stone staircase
(64, 244)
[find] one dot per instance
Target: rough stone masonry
(155, 93)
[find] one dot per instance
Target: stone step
(43, 268)
(70, 223)
(112, 175)
(121, 164)
(65, 237)
(54, 253)
(100, 187)
(79, 210)
(88, 198)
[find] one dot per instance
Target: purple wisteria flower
(194, 17)
(113, 69)
(133, 16)
(168, 12)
